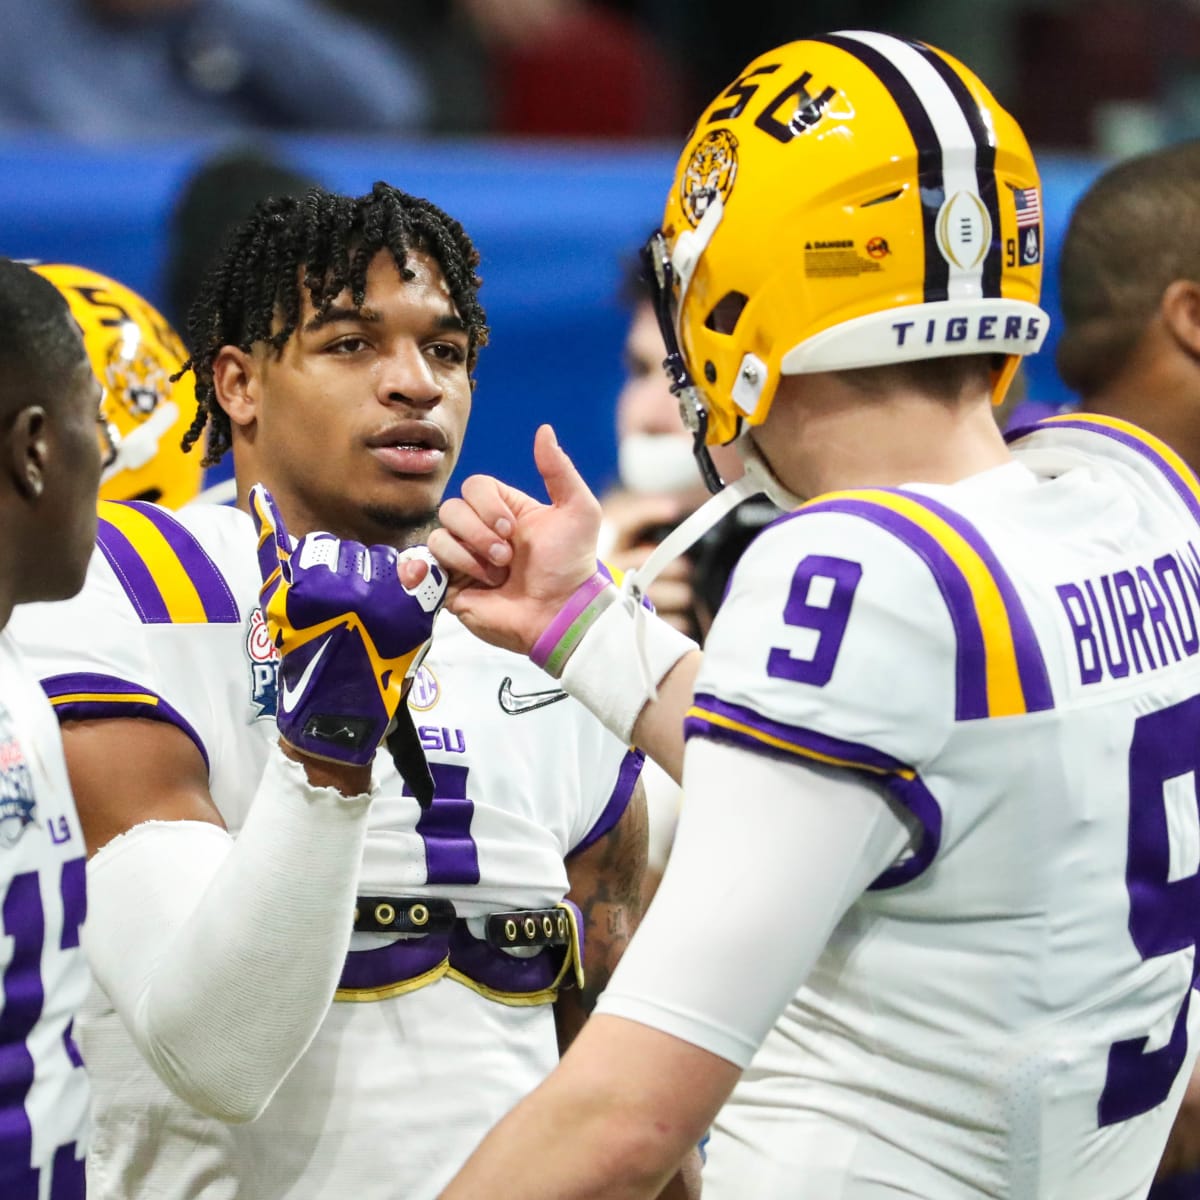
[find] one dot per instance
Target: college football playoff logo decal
(711, 172)
(964, 230)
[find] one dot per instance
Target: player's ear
(235, 374)
(28, 451)
(1180, 308)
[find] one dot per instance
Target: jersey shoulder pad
(168, 574)
(1141, 454)
(860, 628)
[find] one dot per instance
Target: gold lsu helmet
(853, 200)
(134, 352)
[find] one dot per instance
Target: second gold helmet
(134, 352)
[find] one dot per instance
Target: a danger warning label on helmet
(837, 260)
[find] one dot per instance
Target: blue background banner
(556, 227)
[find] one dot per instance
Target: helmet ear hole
(725, 314)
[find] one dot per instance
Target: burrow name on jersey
(17, 805)
(1137, 619)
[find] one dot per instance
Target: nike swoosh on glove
(349, 633)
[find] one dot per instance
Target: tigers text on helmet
(853, 200)
(134, 352)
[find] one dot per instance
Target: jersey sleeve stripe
(737, 725)
(87, 696)
(188, 583)
(131, 573)
(1031, 666)
(1178, 474)
(722, 721)
(999, 670)
(618, 802)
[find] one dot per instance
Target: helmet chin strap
(682, 537)
(139, 445)
(758, 479)
(767, 482)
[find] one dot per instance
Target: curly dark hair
(327, 241)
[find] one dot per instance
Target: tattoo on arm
(606, 884)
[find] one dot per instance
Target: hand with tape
(350, 634)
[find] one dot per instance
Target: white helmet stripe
(965, 230)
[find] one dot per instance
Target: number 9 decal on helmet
(850, 201)
(134, 352)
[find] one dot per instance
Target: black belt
(524, 927)
(392, 914)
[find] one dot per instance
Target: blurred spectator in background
(212, 201)
(1130, 282)
(1130, 346)
(219, 194)
(658, 485)
(659, 482)
(537, 68)
(101, 69)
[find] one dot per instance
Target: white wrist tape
(222, 955)
(606, 672)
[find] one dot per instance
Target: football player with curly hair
(325, 966)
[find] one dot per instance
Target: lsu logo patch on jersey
(17, 805)
(264, 666)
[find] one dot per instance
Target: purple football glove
(350, 635)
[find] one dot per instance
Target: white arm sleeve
(221, 955)
(768, 856)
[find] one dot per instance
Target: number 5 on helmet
(349, 633)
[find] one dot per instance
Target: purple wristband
(561, 636)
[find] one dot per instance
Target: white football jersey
(432, 1039)
(43, 975)
(1006, 1012)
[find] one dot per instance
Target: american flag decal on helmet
(1029, 206)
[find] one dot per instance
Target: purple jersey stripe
(1031, 666)
(133, 575)
(820, 745)
(899, 779)
(923, 805)
(618, 802)
(86, 696)
(210, 585)
(970, 689)
(1179, 483)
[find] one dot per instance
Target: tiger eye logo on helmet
(710, 172)
(137, 379)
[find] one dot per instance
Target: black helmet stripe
(929, 153)
(985, 160)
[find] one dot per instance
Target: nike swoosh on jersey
(516, 703)
(289, 697)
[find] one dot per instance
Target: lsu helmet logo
(135, 377)
(711, 172)
(264, 666)
(17, 805)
